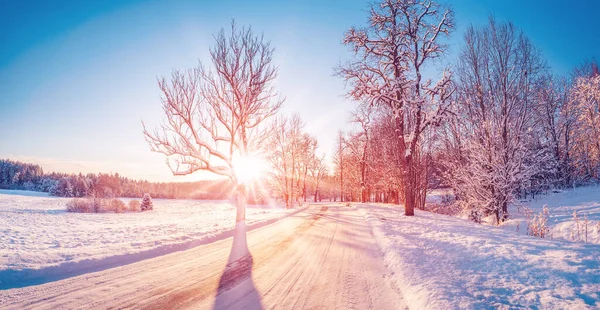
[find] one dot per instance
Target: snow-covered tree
(585, 102)
(146, 204)
(214, 116)
(402, 37)
(495, 149)
(555, 126)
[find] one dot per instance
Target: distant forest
(24, 176)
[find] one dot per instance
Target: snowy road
(324, 257)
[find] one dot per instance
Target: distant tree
(317, 171)
(14, 174)
(65, 188)
(308, 145)
(362, 116)
(146, 204)
(291, 153)
(214, 116)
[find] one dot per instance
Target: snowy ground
(435, 261)
(584, 200)
(322, 258)
(42, 242)
(561, 205)
(444, 262)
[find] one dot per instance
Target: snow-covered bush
(146, 203)
(476, 216)
(446, 204)
(580, 231)
(135, 206)
(80, 206)
(116, 205)
(442, 207)
(538, 224)
(95, 205)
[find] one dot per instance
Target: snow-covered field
(445, 262)
(40, 241)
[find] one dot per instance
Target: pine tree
(146, 202)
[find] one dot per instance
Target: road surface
(321, 258)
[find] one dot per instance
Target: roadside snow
(40, 241)
(443, 262)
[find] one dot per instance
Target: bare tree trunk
(409, 200)
(304, 184)
(497, 216)
(287, 200)
(241, 203)
(409, 185)
(504, 210)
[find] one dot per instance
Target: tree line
(24, 176)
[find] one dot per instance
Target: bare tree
(292, 154)
(279, 158)
(317, 170)
(369, 158)
(214, 116)
(362, 116)
(295, 148)
(308, 157)
(340, 162)
(402, 37)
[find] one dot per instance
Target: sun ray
(249, 168)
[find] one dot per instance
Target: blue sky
(77, 77)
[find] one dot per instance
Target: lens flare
(249, 168)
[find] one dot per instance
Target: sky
(78, 77)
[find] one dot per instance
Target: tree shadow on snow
(236, 287)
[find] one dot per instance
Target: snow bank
(443, 262)
(41, 242)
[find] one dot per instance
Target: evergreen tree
(146, 202)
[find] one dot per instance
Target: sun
(248, 168)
